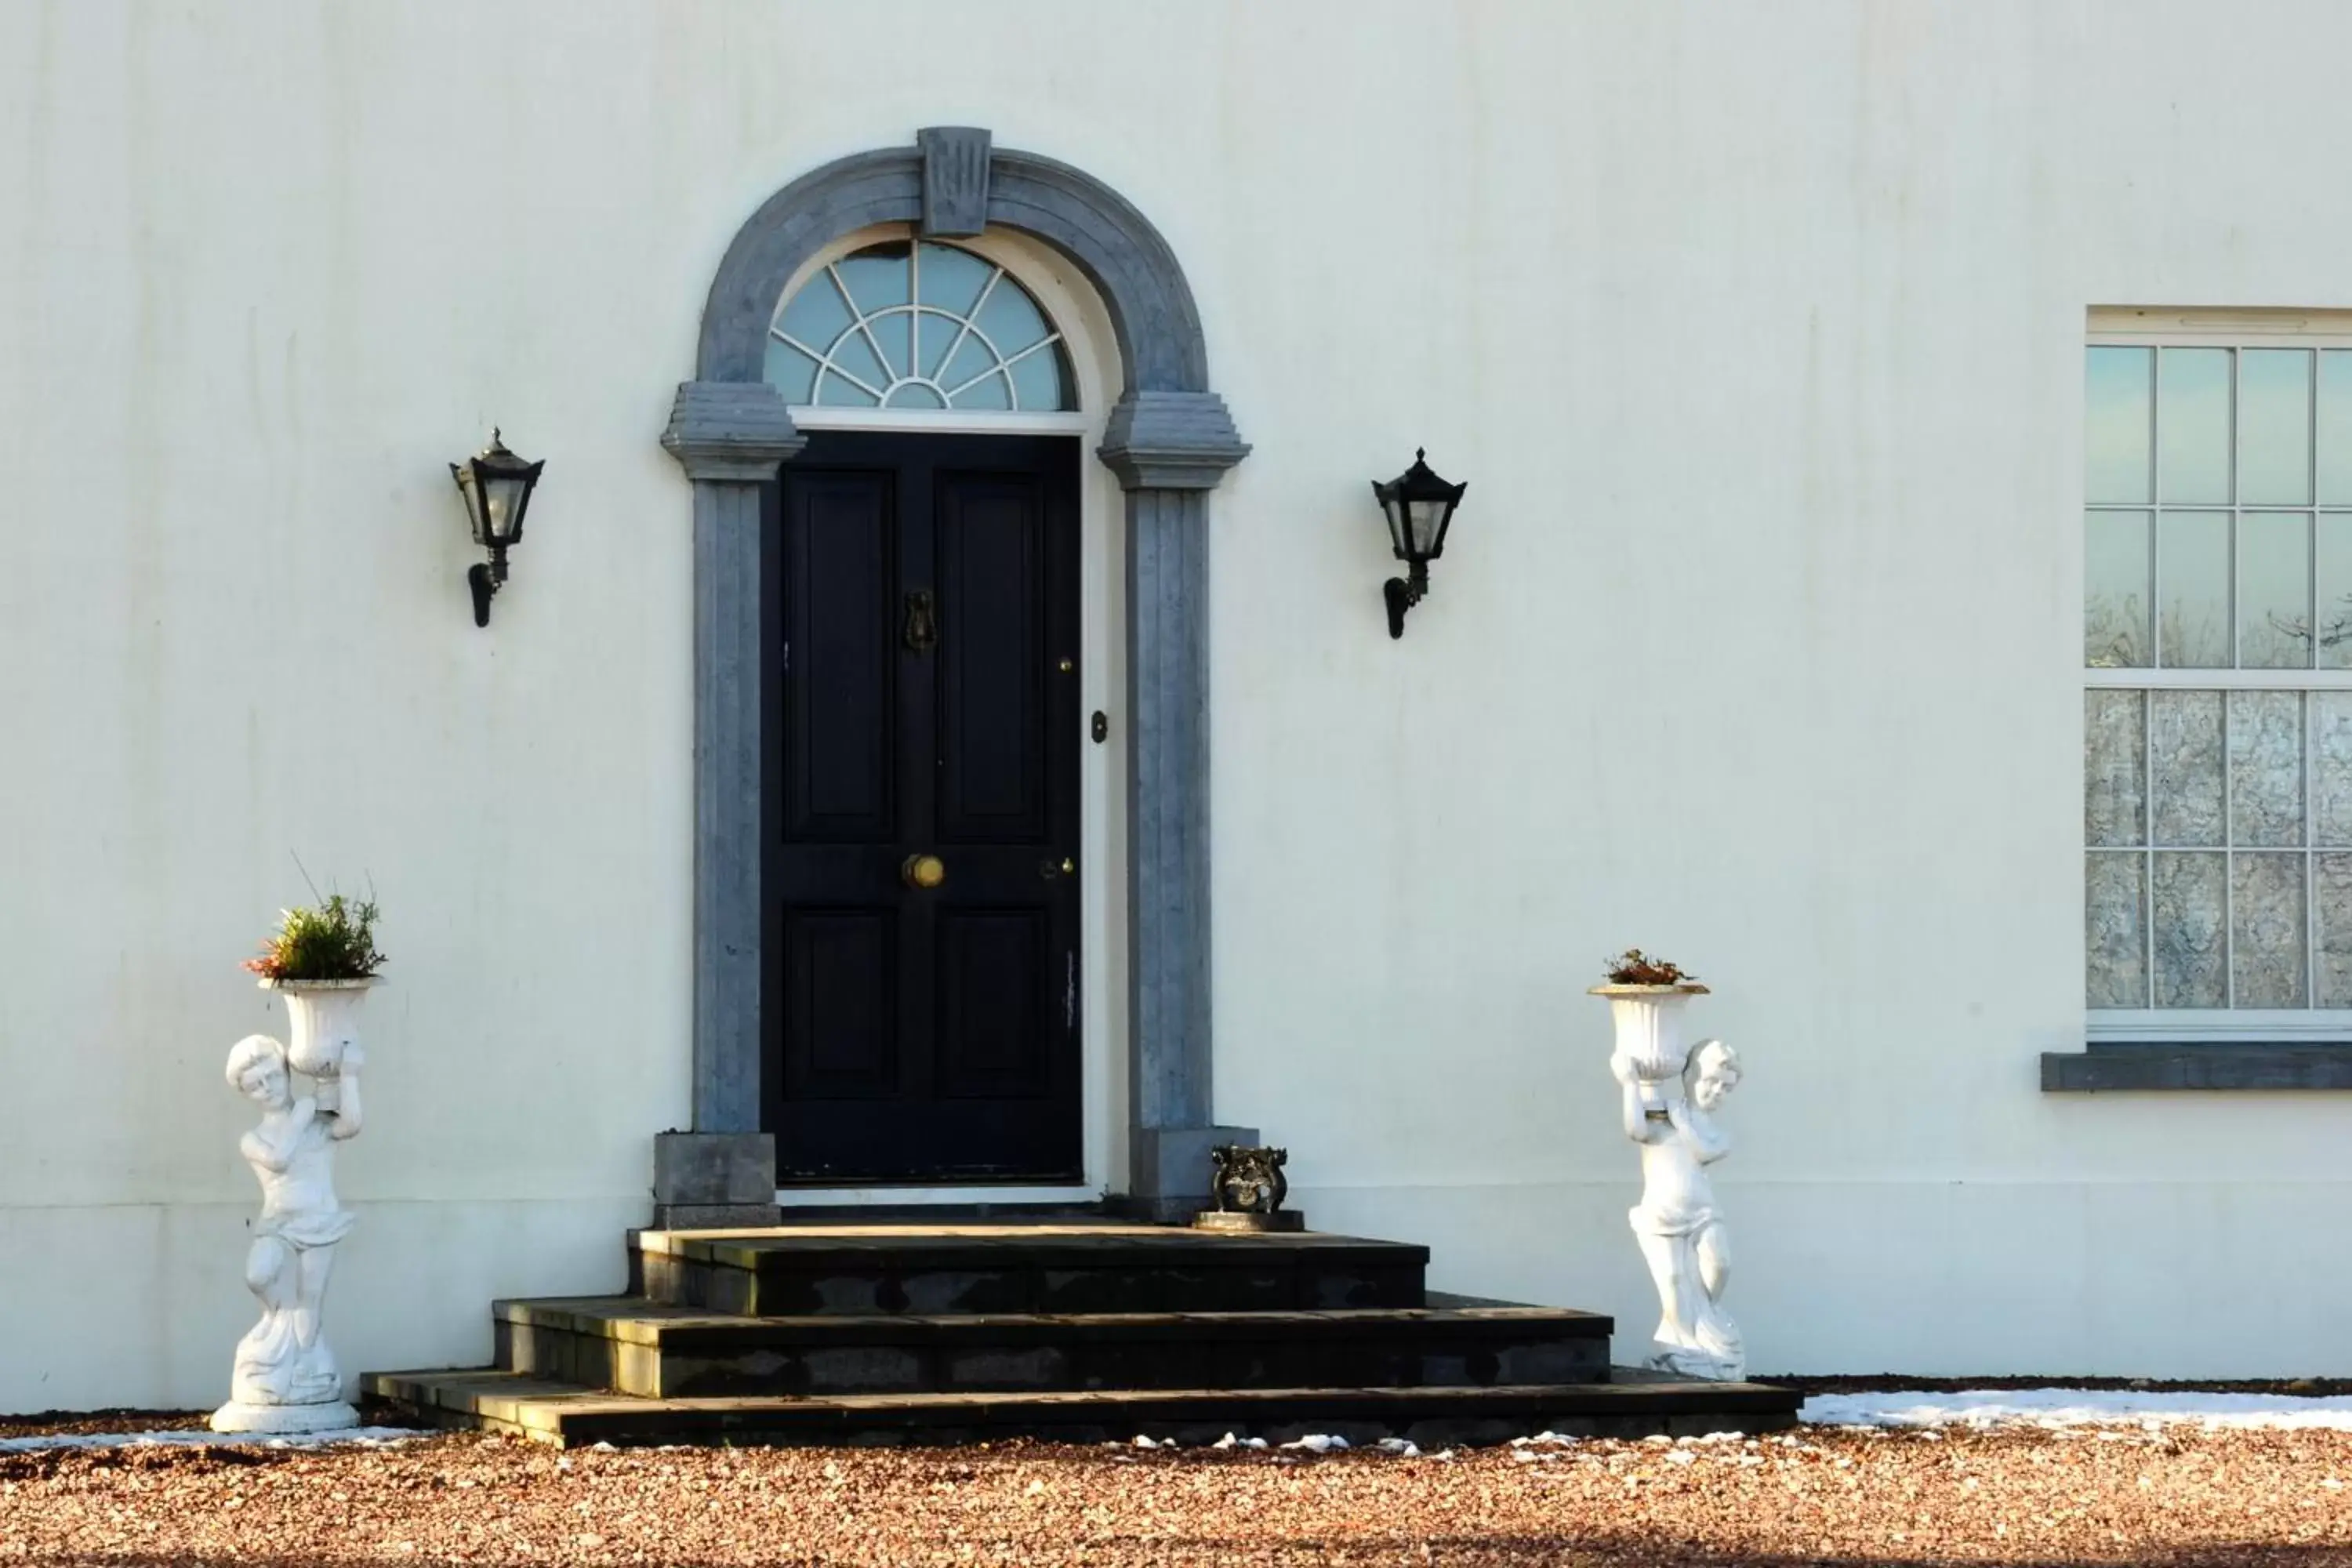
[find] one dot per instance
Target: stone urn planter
(323, 1021)
(1648, 1020)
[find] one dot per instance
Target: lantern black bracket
(484, 578)
(1419, 507)
(496, 486)
(1403, 593)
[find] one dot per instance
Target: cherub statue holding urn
(322, 964)
(1669, 1096)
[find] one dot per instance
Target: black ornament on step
(1249, 1180)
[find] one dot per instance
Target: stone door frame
(1168, 440)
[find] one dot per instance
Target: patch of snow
(1543, 1440)
(358, 1436)
(1319, 1442)
(2059, 1407)
(1230, 1441)
(1403, 1447)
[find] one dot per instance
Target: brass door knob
(923, 873)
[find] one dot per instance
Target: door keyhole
(922, 621)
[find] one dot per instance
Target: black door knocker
(922, 632)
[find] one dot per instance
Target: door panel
(840, 983)
(994, 674)
(924, 604)
(840, 574)
(992, 966)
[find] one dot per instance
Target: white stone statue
(1671, 1117)
(285, 1378)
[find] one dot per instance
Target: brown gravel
(53, 1422)
(2022, 1495)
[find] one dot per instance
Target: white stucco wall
(1756, 331)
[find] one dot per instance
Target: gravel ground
(2111, 1495)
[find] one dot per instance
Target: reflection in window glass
(2119, 387)
(2117, 590)
(2192, 438)
(2273, 590)
(2193, 621)
(2274, 427)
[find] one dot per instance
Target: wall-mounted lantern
(497, 485)
(1419, 506)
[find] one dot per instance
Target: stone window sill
(2125, 1066)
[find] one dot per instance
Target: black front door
(921, 1005)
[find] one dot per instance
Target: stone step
(639, 1347)
(1630, 1405)
(864, 1270)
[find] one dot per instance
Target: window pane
(816, 315)
(2193, 424)
(2115, 930)
(789, 371)
(2187, 927)
(877, 276)
(2116, 385)
(2115, 589)
(837, 392)
(2115, 767)
(952, 278)
(2192, 562)
(2274, 426)
(2333, 618)
(939, 335)
(2266, 768)
(1042, 382)
(854, 357)
(2333, 877)
(2184, 740)
(2335, 427)
(2331, 767)
(2274, 590)
(1010, 319)
(2268, 933)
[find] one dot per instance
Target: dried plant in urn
(1634, 967)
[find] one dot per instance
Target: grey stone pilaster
(1168, 448)
(730, 438)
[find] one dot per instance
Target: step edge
(682, 1328)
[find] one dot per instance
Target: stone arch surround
(1168, 440)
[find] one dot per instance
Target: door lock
(1050, 868)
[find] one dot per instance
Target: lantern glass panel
(1393, 507)
(502, 505)
(1428, 525)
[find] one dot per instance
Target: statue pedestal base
(334, 1416)
(1225, 1219)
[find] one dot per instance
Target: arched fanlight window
(908, 324)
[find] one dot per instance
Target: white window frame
(2183, 327)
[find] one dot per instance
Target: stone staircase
(1078, 1332)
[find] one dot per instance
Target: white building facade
(1764, 638)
